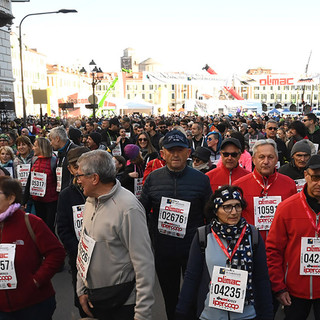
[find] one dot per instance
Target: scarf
(242, 258)
(9, 212)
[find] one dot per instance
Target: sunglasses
(210, 139)
(196, 160)
(249, 127)
(272, 128)
(232, 154)
(305, 120)
(162, 127)
(142, 139)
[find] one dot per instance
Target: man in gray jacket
(115, 262)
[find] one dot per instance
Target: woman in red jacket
(42, 182)
(30, 255)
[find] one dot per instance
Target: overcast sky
(231, 36)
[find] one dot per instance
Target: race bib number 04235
(310, 257)
(228, 289)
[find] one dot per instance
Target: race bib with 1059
(23, 171)
(85, 250)
(38, 184)
(8, 279)
(77, 219)
(173, 217)
(310, 257)
(264, 210)
(228, 289)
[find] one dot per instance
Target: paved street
(66, 311)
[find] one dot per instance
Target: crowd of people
(229, 204)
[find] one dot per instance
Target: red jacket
(283, 186)
(221, 176)
(283, 248)
(28, 262)
(151, 166)
(43, 165)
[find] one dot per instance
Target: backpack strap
(202, 237)
(28, 224)
(255, 237)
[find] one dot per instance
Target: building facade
(6, 77)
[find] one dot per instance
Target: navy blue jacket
(188, 185)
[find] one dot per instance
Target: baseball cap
(314, 162)
(175, 138)
(233, 141)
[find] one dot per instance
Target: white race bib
(310, 257)
(316, 146)
(228, 289)
(59, 178)
(264, 210)
(251, 143)
(85, 250)
(128, 135)
(23, 171)
(78, 219)
(137, 187)
(299, 184)
(173, 217)
(38, 184)
(8, 279)
(117, 150)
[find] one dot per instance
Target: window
(279, 88)
(128, 96)
(256, 88)
(256, 96)
(128, 87)
(150, 96)
(315, 97)
(143, 96)
(279, 97)
(143, 87)
(272, 96)
(151, 86)
(285, 97)
(293, 97)
(172, 87)
(308, 97)
(172, 96)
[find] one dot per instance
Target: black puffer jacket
(188, 185)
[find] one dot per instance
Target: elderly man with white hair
(264, 188)
(60, 142)
(115, 262)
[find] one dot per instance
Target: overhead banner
(182, 78)
(277, 80)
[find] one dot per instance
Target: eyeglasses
(314, 177)
(273, 128)
(77, 176)
(229, 207)
(232, 154)
(162, 127)
(142, 139)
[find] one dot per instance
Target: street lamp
(21, 62)
(97, 76)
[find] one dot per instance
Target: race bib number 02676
(173, 217)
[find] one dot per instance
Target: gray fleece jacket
(122, 252)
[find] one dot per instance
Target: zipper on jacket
(230, 174)
(175, 187)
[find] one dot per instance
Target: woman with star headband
(227, 274)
